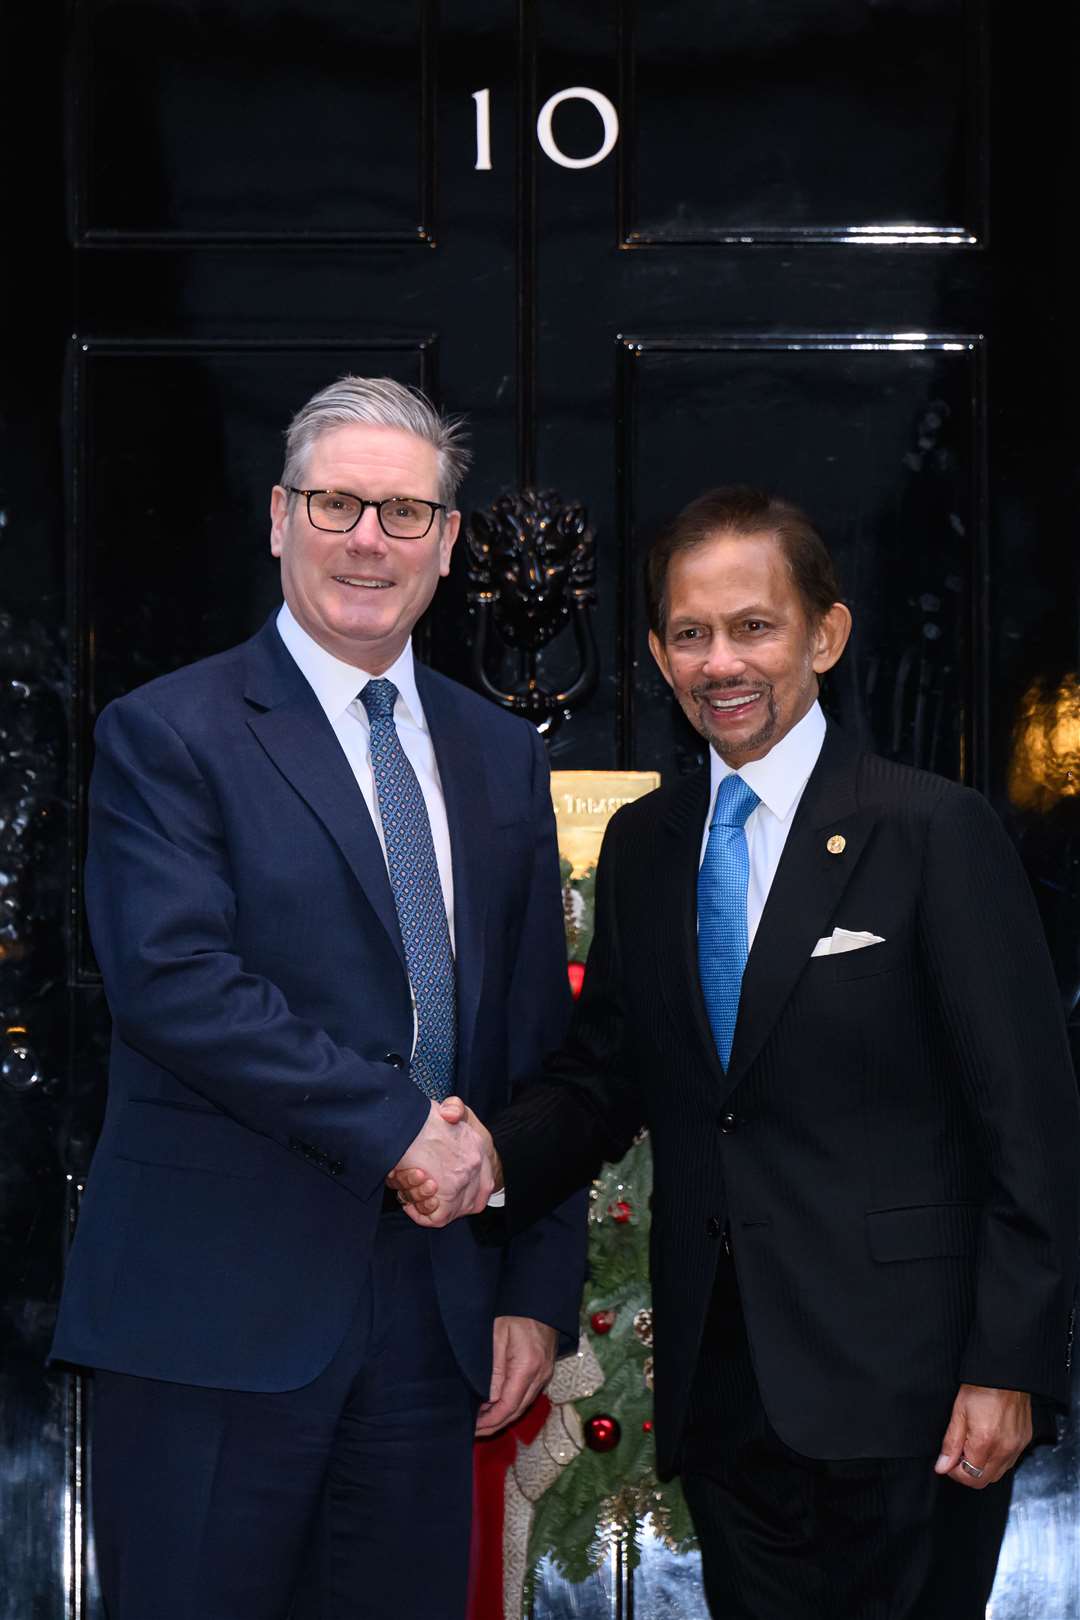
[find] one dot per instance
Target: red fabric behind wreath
(492, 1459)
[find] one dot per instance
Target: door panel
(821, 121)
(882, 443)
(246, 123)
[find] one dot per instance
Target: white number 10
(544, 133)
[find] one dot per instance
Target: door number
(545, 134)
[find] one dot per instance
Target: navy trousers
(348, 1499)
(787, 1537)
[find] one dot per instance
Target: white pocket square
(844, 939)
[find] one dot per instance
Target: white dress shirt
(337, 686)
(778, 779)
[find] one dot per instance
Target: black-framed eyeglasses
(402, 517)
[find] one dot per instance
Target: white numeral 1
(483, 128)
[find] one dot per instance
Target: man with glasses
(323, 890)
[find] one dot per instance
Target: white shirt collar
(336, 683)
(778, 778)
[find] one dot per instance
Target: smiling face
(738, 650)
(360, 594)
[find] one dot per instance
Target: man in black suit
(819, 979)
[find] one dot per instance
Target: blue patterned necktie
(722, 885)
(418, 896)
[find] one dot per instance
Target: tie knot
(378, 698)
(735, 800)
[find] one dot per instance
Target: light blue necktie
(418, 896)
(722, 885)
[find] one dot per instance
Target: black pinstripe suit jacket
(895, 1147)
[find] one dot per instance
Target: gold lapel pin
(837, 844)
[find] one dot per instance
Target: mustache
(733, 684)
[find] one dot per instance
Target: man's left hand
(523, 1363)
(988, 1430)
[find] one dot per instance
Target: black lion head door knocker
(532, 572)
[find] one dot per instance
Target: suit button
(729, 1124)
(714, 1226)
(395, 1060)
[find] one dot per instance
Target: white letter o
(604, 107)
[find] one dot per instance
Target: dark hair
(738, 509)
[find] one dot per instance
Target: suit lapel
(460, 746)
(805, 893)
(684, 825)
(291, 727)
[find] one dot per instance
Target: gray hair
(378, 402)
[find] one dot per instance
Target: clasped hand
(450, 1170)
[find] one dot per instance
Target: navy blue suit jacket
(259, 1093)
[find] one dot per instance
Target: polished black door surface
(646, 248)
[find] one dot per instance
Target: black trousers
(786, 1537)
(349, 1499)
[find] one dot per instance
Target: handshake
(451, 1169)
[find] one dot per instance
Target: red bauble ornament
(576, 974)
(602, 1321)
(646, 1427)
(620, 1212)
(602, 1432)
